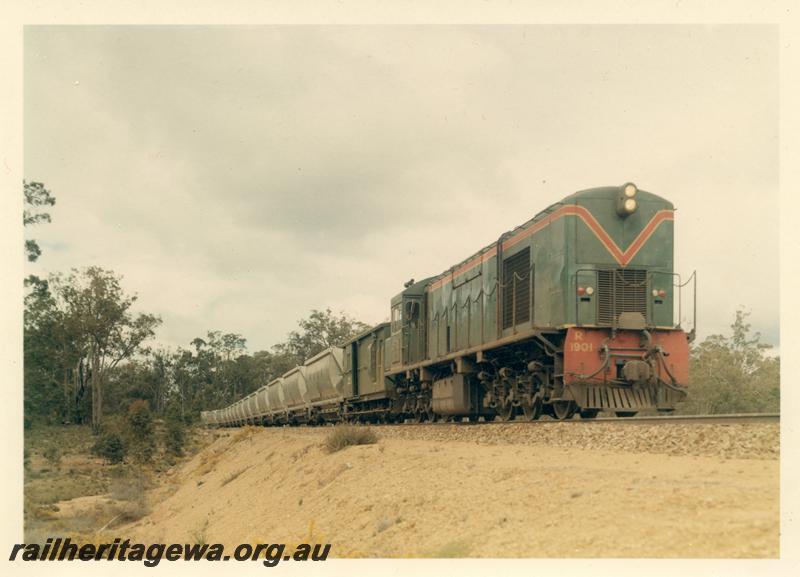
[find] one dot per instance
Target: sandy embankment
(564, 491)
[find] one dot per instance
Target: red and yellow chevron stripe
(622, 257)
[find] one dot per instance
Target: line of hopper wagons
(314, 393)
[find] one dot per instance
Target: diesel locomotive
(572, 312)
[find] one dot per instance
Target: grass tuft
(200, 535)
(344, 436)
(233, 476)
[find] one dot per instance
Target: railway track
(729, 419)
(732, 419)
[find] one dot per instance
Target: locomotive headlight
(626, 203)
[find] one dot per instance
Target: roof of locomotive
(609, 192)
(599, 192)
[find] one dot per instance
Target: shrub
(109, 445)
(344, 436)
(174, 436)
(140, 426)
(129, 511)
(52, 454)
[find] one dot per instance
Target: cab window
(413, 313)
(373, 358)
(397, 317)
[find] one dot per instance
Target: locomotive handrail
(674, 275)
(680, 285)
(466, 280)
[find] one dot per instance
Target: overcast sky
(240, 176)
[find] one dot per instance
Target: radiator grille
(620, 291)
(517, 288)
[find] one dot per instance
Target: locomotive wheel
(426, 414)
(589, 413)
(532, 409)
(625, 414)
(563, 410)
(505, 412)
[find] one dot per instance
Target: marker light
(589, 290)
(662, 293)
(655, 292)
(630, 190)
(581, 290)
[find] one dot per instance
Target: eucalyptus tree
(736, 373)
(35, 197)
(321, 330)
(92, 323)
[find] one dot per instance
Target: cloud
(240, 176)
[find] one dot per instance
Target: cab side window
(397, 316)
(373, 359)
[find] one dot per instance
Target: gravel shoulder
(730, 441)
(555, 490)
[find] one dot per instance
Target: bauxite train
(572, 311)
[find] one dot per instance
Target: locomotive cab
(408, 310)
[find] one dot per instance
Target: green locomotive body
(492, 329)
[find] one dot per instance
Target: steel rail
(737, 418)
(727, 419)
